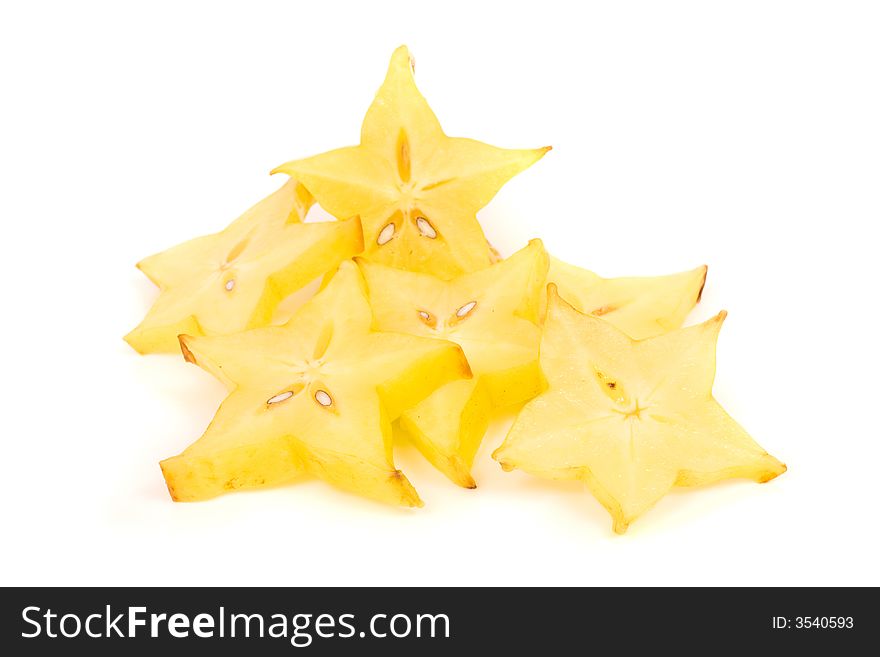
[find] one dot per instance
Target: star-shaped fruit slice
(315, 396)
(233, 280)
(640, 306)
(631, 418)
(492, 314)
(416, 190)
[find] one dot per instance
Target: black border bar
(522, 620)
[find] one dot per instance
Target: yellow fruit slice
(630, 418)
(233, 280)
(416, 190)
(640, 306)
(317, 396)
(492, 314)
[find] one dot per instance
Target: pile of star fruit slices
(419, 322)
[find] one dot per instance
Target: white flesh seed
(280, 397)
(465, 309)
(425, 228)
(386, 234)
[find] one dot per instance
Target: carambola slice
(233, 280)
(640, 306)
(492, 314)
(416, 190)
(631, 418)
(316, 396)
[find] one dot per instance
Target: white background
(744, 135)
